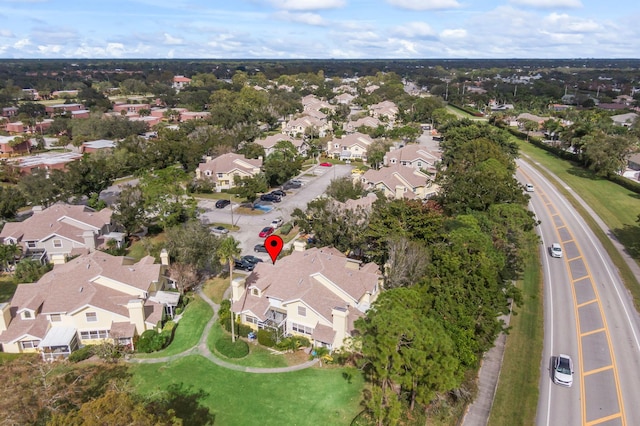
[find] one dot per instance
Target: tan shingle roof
(396, 175)
(300, 276)
(60, 219)
(73, 285)
(227, 163)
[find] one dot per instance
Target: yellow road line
(589, 333)
(604, 419)
(598, 370)
(548, 206)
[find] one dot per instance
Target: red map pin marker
(273, 244)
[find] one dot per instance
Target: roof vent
(80, 291)
(300, 281)
(88, 265)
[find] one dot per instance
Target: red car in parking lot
(326, 164)
(266, 231)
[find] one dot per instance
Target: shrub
(293, 343)
(152, 341)
(286, 228)
(81, 354)
(237, 349)
(266, 338)
(169, 326)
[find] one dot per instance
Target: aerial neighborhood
(140, 202)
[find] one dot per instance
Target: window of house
(55, 317)
(302, 311)
(29, 344)
(419, 164)
(251, 320)
(299, 328)
(220, 175)
(31, 244)
(57, 243)
(26, 314)
(393, 161)
(91, 316)
(94, 334)
(255, 292)
(207, 173)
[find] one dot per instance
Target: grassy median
(516, 398)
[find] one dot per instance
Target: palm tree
(228, 250)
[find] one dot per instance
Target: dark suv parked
(244, 265)
(270, 197)
(279, 193)
(220, 204)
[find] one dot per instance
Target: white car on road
(555, 250)
(563, 370)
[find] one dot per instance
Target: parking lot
(315, 181)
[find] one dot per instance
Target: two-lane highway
(588, 315)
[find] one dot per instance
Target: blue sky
(319, 29)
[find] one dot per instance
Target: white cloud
(170, 40)
(457, 33)
(307, 4)
(22, 43)
(52, 49)
(547, 4)
(567, 24)
(5, 33)
(302, 18)
(415, 30)
(425, 4)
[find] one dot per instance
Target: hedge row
(470, 111)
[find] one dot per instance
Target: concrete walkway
(202, 349)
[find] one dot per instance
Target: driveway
(316, 180)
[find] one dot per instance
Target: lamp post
(231, 208)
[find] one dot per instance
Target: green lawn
(516, 398)
(189, 329)
(326, 396)
(259, 356)
(215, 287)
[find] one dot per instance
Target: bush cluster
(237, 349)
(152, 341)
(293, 343)
(286, 228)
(266, 338)
(81, 354)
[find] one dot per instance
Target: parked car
(251, 259)
(326, 164)
(529, 187)
(297, 182)
(291, 185)
(276, 223)
(260, 248)
(219, 230)
(555, 250)
(244, 265)
(279, 193)
(266, 231)
(563, 370)
(270, 197)
(221, 204)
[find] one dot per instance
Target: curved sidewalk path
(202, 349)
